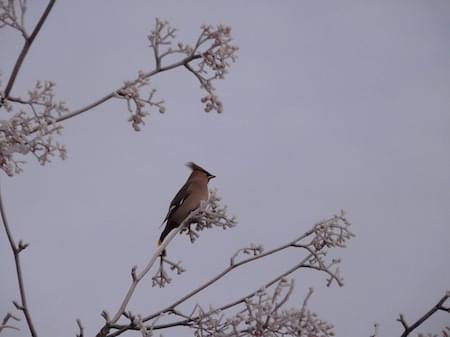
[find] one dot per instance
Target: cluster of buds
(264, 315)
(331, 233)
(220, 52)
(253, 250)
(136, 104)
(215, 62)
(12, 14)
(213, 50)
(334, 232)
(161, 278)
(210, 215)
(162, 35)
(212, 102)
(30, 130)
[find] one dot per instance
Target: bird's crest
(194, 167)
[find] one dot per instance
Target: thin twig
(5, 320)
(17, 249)
(285, 298)
(375, 330)
(6, 326)
(275, 295)
(80, 328)
(25, 49)
(308, 296)
(199, 77)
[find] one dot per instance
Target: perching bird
(187, 199)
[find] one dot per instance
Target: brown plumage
(187, 199)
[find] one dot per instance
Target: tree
(36, 119)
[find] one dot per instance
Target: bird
(186, 200)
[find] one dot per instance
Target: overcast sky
(331, 105)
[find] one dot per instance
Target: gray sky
(331, 105)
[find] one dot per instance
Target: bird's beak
(211, 177)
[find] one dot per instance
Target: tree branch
(25, 49)
(114, 93)
(375, 330)
(188, 321)
(222, 274)
(312, 254)
(17, 249)
(438, 307)
(80, 328)
(19, 131)
(5, 320)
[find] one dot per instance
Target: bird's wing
(178, 200)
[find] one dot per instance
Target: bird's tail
(164, 233)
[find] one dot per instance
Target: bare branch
(439, 306)
(215, 57)
(401, 319)
(17, 249)
(254, 250)
(16, 134)
(375, 330)
(212, 50)
(334, 231)
(5, 320)
(213, 280)
(6, 326)
(25, 49)
(308, 296)
(80, 328)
